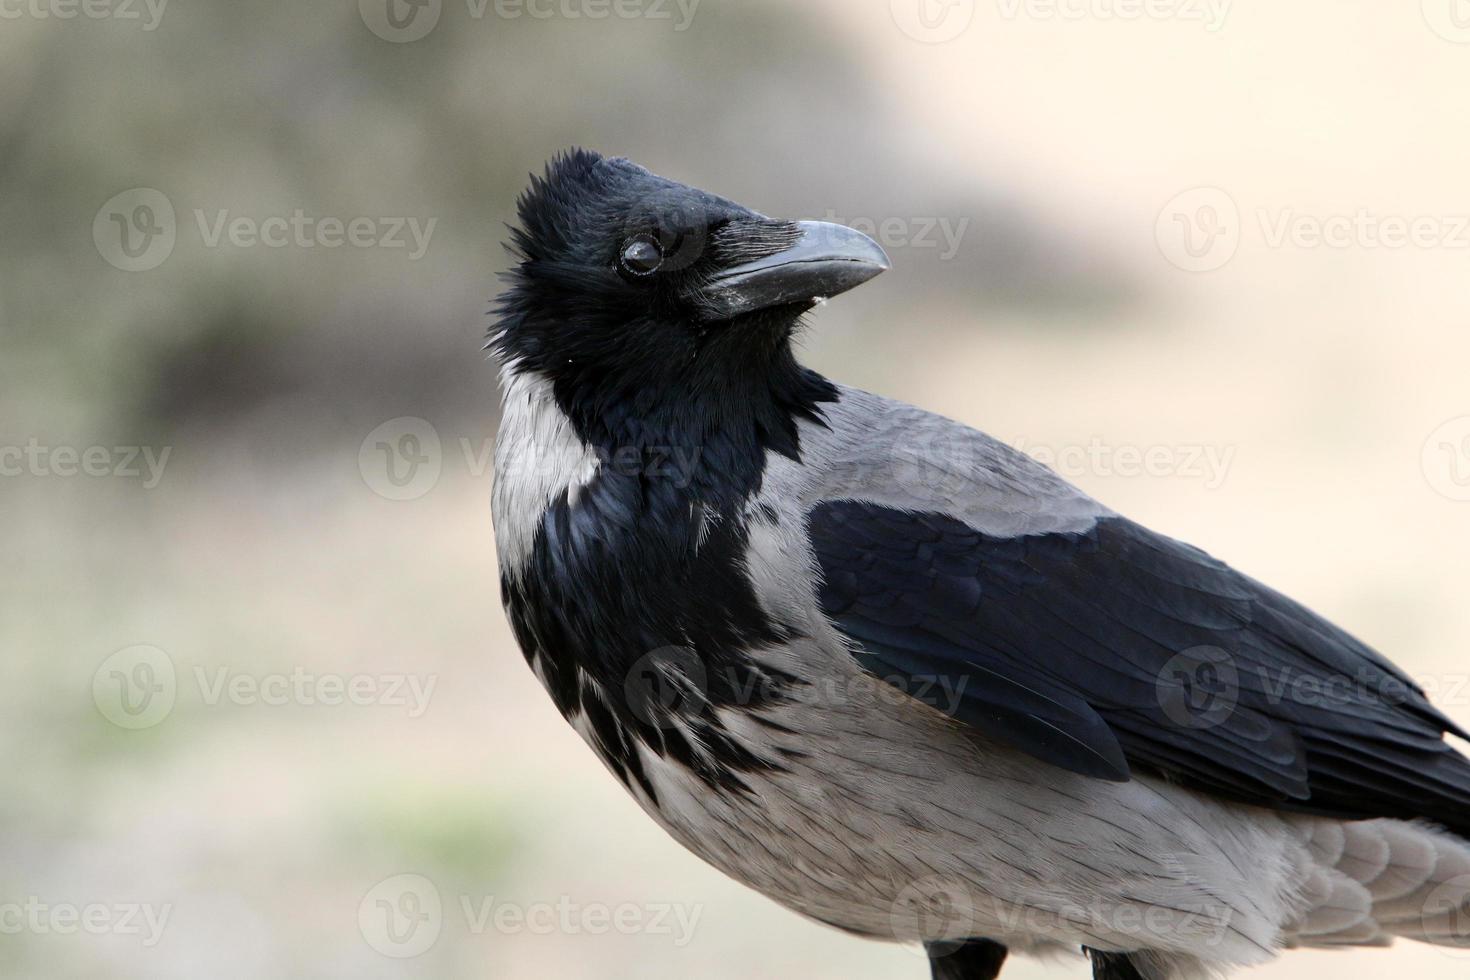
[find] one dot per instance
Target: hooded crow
(900, 677)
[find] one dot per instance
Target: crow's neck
(700, 437)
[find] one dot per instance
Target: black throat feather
(635, 604)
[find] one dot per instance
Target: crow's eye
(641, 257)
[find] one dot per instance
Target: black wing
(1115, 649)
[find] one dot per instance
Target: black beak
(827, 260)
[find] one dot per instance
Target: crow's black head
(650, 304)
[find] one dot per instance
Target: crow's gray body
(904, 679)
(893, 819)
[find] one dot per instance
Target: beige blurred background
(245, 689)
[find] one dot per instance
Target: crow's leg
(1113, 966)
(974, 959)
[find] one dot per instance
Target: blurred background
(263, 715)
